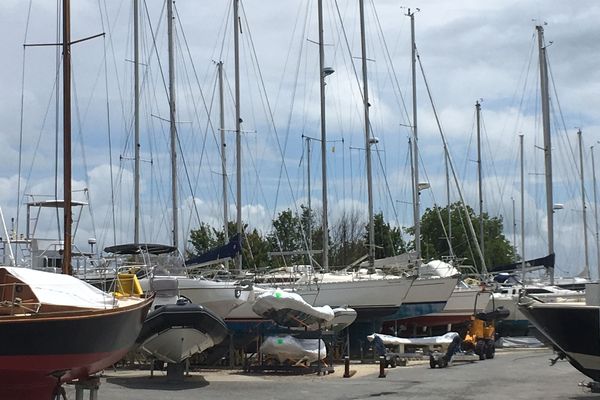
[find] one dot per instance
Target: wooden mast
(68, 218)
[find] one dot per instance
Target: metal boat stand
(319, 367)
(92, 384)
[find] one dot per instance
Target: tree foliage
(348, 240)
(435, 242)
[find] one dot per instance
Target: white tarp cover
(280, 300)
(424, 341)
(519, 342)
(438, 268)
(59, 289)
(289, 348)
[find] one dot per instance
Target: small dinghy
(390, 340)
(291, 349)
(290, 309)
(177, 329)
(343, 317)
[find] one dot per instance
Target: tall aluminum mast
(136, 124)
(223, 155)
(586, 266)
(325, 224)
(238, 137)
(368, 140)
(480, 178)
(522, 207)
(68, 217)
(415, 142)
(595, 209)
(547, 144)
(172, 122)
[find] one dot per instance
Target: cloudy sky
(469, 50)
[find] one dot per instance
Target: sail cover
(547, 262)
(59, 289)
(226, 251)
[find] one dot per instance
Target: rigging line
(225, 29)
(268, 110)
(293, 98)
(161, 71)
(82, 147)
(110, 160)
(386, 183)
(209, 122)
(114, 59)
(360, 90)
(501, 187)
(20, 157)
(145, 78)
(468, 243)
(447, 150)
(57, 67)
(523, 76)
(208, 109)
(42, 127)
(265, 99)
(562, 119)
(287, 59)
(390, 63)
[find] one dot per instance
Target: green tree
(347, 244)
(204, 238)
(255, 250)
(388, 239)
(435, 243)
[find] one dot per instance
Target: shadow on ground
(158, 383)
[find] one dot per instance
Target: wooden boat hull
(42, 352)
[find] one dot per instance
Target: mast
(595, 210)
(68, 217)
(172, 121)
(325, 261)
(451, 250)
(586, 266)
(479, 178)
(367, 133)
(136, 117)
(238, 137)
(522, 208)
(223, 154)
(416, 191)
(308, 227)
(547, 144)
(514, 224)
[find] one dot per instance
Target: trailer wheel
(443, 362)
(490, 349)
(432, 362)
(480, 349)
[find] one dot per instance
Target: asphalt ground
(512, 374)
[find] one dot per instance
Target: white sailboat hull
(369, 297)
(219, 297)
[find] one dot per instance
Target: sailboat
(84, 330)
(372, 295)
(178, 326)
(572, 327)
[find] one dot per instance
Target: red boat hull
(41, 352)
